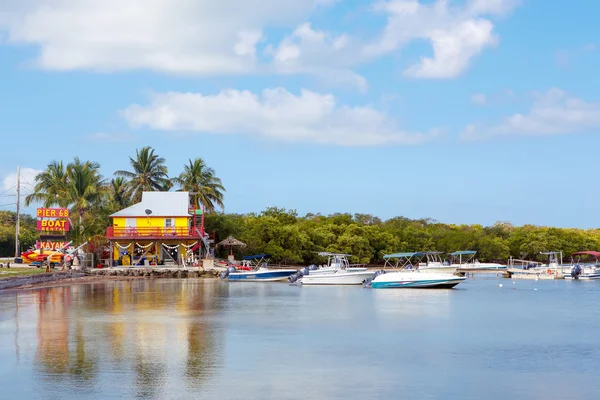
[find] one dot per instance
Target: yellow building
(160, 229)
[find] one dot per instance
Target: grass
(10, 272)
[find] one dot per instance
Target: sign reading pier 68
(53, 213)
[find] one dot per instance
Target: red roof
(587, 252)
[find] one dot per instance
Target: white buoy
(500, 285)
(534, 289)
(513, 282)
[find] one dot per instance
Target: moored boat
(528, 269)
(465, 260)
(434, 263)
(582, 267)
(338, 271)
(259, 272)
(404, 275)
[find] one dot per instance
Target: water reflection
(156, 329)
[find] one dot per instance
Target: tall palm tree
(118, 194)
(84, 186)
(50, 186)
(149, 173)
(201, 180)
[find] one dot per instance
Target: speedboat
(338, 271)
(259, 272)
(536, 270)
(581, 268)
(433, 263)
(465, 259)
(405, 275)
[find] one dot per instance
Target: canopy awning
(463, 253)
(327, 254)
(588, 253)
(404, 255)
(256, 257)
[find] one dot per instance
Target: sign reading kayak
(53, 219)
(47, 245)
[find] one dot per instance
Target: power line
(8, 190)
(9, 204)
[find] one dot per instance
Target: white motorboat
(465, 259)
(581, 268)
(405, 275)
(535, 270)
(338, 271)
(259, 272)
(434, 263)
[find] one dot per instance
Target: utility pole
(18, 228)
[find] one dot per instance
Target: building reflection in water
(156, 333)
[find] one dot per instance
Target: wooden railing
(151, 232)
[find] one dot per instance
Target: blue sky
(466, 111)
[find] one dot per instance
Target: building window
(168, 222)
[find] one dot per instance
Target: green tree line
(292, 239)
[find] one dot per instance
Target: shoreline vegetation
(290, 238)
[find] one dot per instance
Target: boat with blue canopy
(407, 274)
(259, 271)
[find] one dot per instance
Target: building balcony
(177, 233)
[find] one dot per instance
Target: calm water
(178, 339)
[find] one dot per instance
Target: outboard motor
(228, 271)
(299, 274)
(576, 272)
(367, 282)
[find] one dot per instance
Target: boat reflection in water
(155, 331)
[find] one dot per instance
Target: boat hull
(517, 273)
(271, 275)
(481, 266)
(450, 269)
(337, 278)
(399, 280)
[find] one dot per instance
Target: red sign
(53, 225)
(50, 245)
(53, 213)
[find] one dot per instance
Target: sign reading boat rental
(53, 225)
(53, 219)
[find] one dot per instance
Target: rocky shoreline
(67, 277)
(154, 272)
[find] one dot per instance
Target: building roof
(159, 204)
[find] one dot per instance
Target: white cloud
(274, 114)
(9, 183)
(179, 36)
(479, 98)
(311, 51)
(552, 113)
(230, 36)
(457, 34)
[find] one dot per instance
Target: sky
(463, 111)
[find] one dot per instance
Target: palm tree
(149, 173)
(201, 180)
(118, 194)
(84, 186)
(50, 186)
